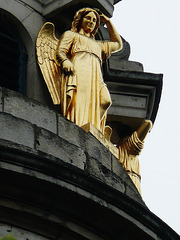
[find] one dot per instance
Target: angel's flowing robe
(84, 95)
(128, 157)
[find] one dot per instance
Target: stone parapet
(58, 181)
(29, 110)
(30, 124)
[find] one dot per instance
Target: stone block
(36, 5)
(86, 141)
(127, 112)
(16, 130)
(36, 87)
(69, 131)
(129, 101)
(33, 23)
(96, 150)
(124, 65)
(16, 8)
(118, 169)
(29, 110)
(129, 106)
(132, 192)
(96, 169)
(116, 166)
(101, 138)
(52, 144)
(4, 230)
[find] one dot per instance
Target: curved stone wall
(60, 182)
(30, 124)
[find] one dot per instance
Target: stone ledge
(86, 141)
(16, 130)
(58, 168)
(19, 106)
(101, 138)
(73, 193)
(96, 169)
(56, 146)
(68, 159)
(40, 129)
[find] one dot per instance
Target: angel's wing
(45, 48)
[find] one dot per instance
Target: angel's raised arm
(113, 34)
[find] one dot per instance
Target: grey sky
(152, 29)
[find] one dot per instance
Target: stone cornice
(28, 164)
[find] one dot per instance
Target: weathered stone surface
(125, 101)
(33, 22)
(16, 8)
(37, 89)
(132, 192)
(101, 138)
(4, 230)
(69, 131)
(145, 86)
(127, 112)
(92, 167)
(36, 5)
(116, 166)
(52, 144)
(71, 145)
(29, 110)
(16, 130)
(122, 65)
(1, 100)
(18, 233)
(129, 106)
(91, 145)
(96, 169)
(118, 169)
(86, 141)
(21, 234)
(40, 204)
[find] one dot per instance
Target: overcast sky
(152, 29)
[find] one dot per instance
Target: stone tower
(58, 181)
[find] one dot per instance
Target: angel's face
(89, 22)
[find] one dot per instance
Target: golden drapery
(84, 95)
(128, 157)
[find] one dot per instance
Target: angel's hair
(77, 22)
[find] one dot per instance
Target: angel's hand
(103, 18)
(68, 67)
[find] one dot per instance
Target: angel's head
(87, 19)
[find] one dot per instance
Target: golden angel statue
(71, 67)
